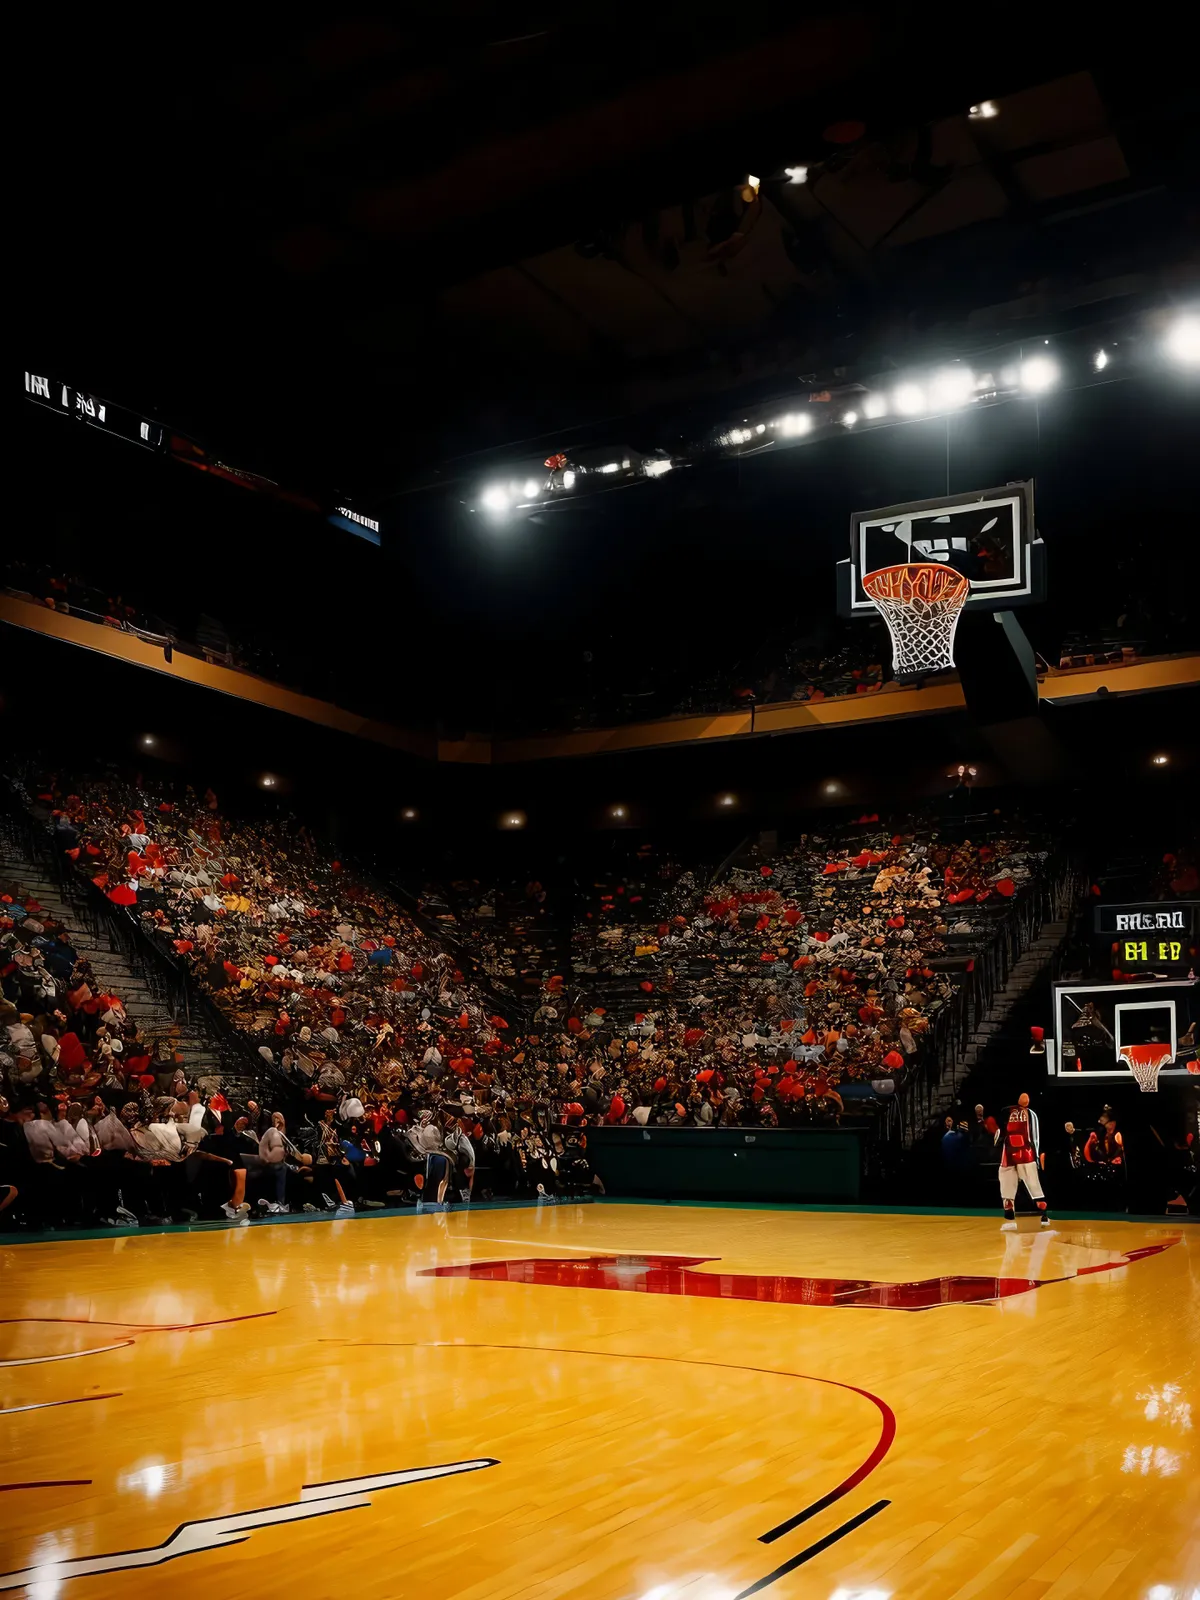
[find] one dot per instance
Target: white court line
(67, 1355)
(537, 1244)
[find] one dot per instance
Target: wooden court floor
(762, 1413)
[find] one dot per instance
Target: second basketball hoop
(921, 604)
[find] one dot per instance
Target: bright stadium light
(760, 427)
(568, 479)
(984, 111)
(909, 400)
(148, 741)
(874, 407)
(951, 387)
(655, 467)
(1100, 360)
(1182, 342)
(796, 174)
(1038, 374)
(849, 418)
(495, 499)
(512, 819)
(532, 488)
(611, 466)
(794, 424)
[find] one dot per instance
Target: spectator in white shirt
(272, 1150)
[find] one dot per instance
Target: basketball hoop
(1146, 1061)
(921, 605)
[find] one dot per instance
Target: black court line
(45, 1405)
(815, 1549)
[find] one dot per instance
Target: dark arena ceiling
(397, 265)
(363, 251)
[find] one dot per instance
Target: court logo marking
(652, 1274)
(213, 1533)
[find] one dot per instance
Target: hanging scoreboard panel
(1155, 936)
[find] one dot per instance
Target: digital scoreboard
(1153, 936)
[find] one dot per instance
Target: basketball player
(1019, 1158)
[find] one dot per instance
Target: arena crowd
(794, 981)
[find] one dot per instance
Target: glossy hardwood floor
(634, 1439)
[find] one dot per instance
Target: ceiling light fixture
(909, 400)
(950, 388)
(1038, 374)
(1182, 343)
(794, 425)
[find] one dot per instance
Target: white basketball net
(1146, 1062)
(921, 605)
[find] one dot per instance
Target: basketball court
(610, 1401)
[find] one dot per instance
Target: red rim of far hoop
(917, 581)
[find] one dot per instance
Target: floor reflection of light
(1150, 1458)
(47, 1589)
(861, 1594)
(51, 1547)
(150, 1480)
(1165, 1403)
(696, 1587)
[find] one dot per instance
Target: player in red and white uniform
(1019, 1157)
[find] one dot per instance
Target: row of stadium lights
(513, 821)
(948, 389)
(618, 814)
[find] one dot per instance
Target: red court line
(883, 1444)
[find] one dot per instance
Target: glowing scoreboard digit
(1151, 952)
(1157, 935)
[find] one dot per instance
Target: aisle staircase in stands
(181, 1040)
(1002, 1031)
